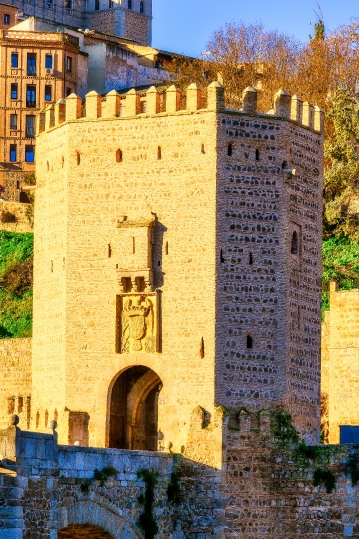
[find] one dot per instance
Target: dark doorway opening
(82, 531)
(134, 410)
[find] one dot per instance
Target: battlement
(134, 104)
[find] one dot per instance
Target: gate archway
(134, 409)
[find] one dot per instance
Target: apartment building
(8, 16)
(36, 69)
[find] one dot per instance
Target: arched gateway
(133, 422)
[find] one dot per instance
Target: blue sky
(184, 26)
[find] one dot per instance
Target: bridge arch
(97, 518)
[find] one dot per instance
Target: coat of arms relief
(139, 324)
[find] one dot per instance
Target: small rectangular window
(14, 90)
(31, 95)
(6, 18)
(48, 61)
(29, 154)
(68, 4)
(14, 60)
(49, 4)
(68, 92)
(48, 92)
(110, 4)
(30, 126)
(349, 434)
(13, 153)
(13, 122)
(129, 4)
(31, 64)
(69, 64)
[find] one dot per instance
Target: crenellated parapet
(135, 104)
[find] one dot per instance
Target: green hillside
(16, 278)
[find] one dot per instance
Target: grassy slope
(16, 251)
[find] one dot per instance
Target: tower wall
(269, 188)
(158, 203)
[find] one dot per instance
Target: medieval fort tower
(177, 265)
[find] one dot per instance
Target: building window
(69, 64)
(119, 156)
(48, 61)
(49, 4)
(29, 153)
(97, 5)
(230, 150)
(142, 7)
(30, 95)
(6, 18)
(68, 4)
(31, 64)
(110, 4)
(30, 126)
(68, 92)
(129, 4)
(13, 122)
(349, 434)
(48, 92)
(14, 60)
(249, 341)
(294, 246)
(13, 153)
(14, 90)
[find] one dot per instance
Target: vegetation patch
(352, 470)
(16, 281)
(147, 520)
(324, 477)
(104, 474)
(174, 489)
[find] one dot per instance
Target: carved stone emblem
(138, 324)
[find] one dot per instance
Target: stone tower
(126, 18)
(177, 265)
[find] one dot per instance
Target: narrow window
(159, 263)
(140, 284)
(29, 153)
(11, 405)
(142, 7)
(159, 152)
(201, 349)
(47, 166)
(119, 156)
(13, 122)
(68, 92)
(13, 153)
(31, 95)
(109, 250)
(230, 149)
(48, 92)
(52, 266)
(17, 184)
(30, 126)
(97, 5)
(166, 248)
(133, 245)
(78, 157)
(110, 4)
(68, 4)
(14, 60)
(20, 405)
(284, 165)
(13, 90)
(69, 64)
(294, 246)
(127, 284)
(143, 106)
(37, 419)
(257, 155)
(49, 4)
(202, 149)
(6, 18)
(129, 4)
(31, 64)
(46, 418)
(250, 257)
(249, 341)
(48, 61)
(221, 257)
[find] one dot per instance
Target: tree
(341, 188)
